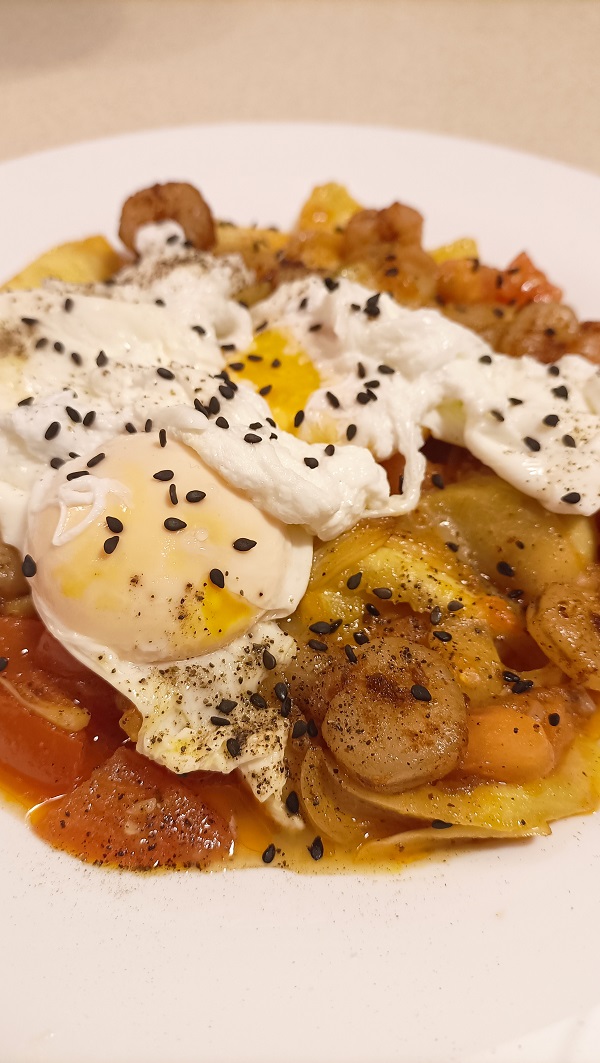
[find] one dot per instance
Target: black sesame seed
(516, 594)
(351, 432)
(516, 402)
(251, 437)
(216, 576)
(382, 592)
(101, 359)
(68, 305)
(361, 638)
(269, 660)
(226, 347)
(372, 610)
(95, 460)
(498, 416)
(255, 425)
(26, 402)
(275, 364)
(173, 495)
(571, 498)
(162, 437)
(532, 443)
(198, 328)
(440, 824)
(355, 306)
(236, 366)
(292, 803)
(568, 441)
(174, 524)
(372, 305)
(386, 370)
(510, 677)
(261, 328)
(316, 848)
(286, 707)
(220, 721)
(320, 627)
(76, 358)
(55, 463)
(354, 581)
(129, 427)
(351, 654)
(195, 496)
(269, 854)
(59, 347)
(165, 373)
(551, 420)
(522, 686)
(214, 405)
(41, 343)
(442, 636)
(505, 569)
(29, 567)
(454, 606)
(519, 544)
(560, 392)
(330, 284)
(226, 706)
(266, 390)
(299, 729)
(221, 422)
(281, 691)
(148, 425)
(52, 430)
(164, 475)
(233, 747)
(554, 719)
(486, 359)
(74, 415)
(89, 419)
(3, 663)
(298, 419)
(435, 615)
(316, 327)
(255, 358)
(329, 450)
(420, 693)
(311, 463)
(311, 729)
(361, 371)
(363, 398)
(114, 524)
(30, 320)
(243, 545)
(553, 370)
(159, 302)
(453, 546)
(333, 400)
(110, 545)
(77, 475)
(72, 454)
(317, 645)
(438, 481)
(201, 408)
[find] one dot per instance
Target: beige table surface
(523, 73)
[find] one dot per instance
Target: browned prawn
(174, 201)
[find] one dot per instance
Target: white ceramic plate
(486, 956)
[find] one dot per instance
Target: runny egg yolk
(280, 371)
(153, 556)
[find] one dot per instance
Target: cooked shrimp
(544, 331)
(396, 718)
(174, 201)
(565, 622)
(369, 229)
(587, 342)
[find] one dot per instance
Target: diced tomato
(135, 815)
(48, 758)
(465, 282)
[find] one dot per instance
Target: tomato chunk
(135, 815)
(41, 685)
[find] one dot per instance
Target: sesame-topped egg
(148, 551)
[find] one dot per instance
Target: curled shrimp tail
(174, 201)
